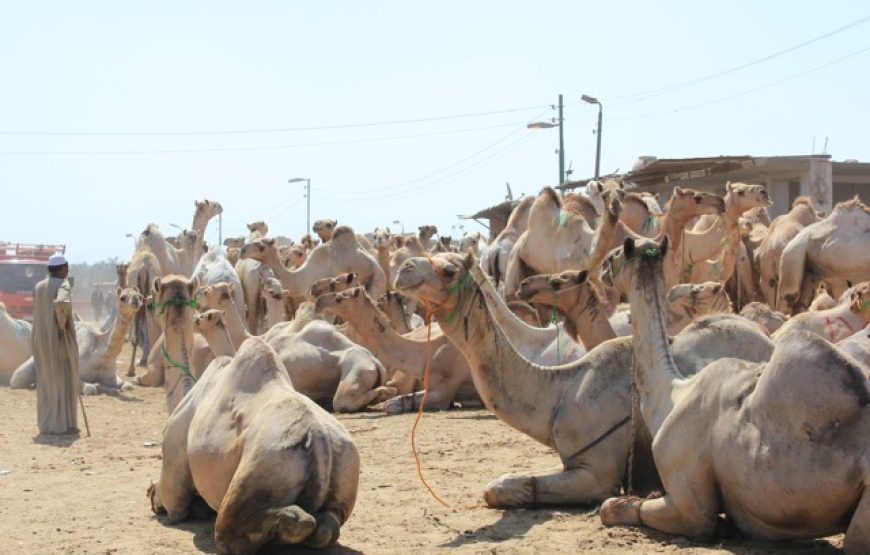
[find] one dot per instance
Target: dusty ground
(88, 495)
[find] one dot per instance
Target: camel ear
(728, 186)
(717, 288)
(628, 248)
(269, 242)
(156, 285)
(664, 246)
(581, 276)
(679, 191)
(193, 286)
(469, 259)
(600, 187)
(848, 284)
(350, 277)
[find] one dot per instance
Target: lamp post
(550, 125)
(308, 197)
(133, 237)
(592, 100)
(401, 224)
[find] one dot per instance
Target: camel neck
(117, 336)
(384, 263)
(290, 279)
(389, 347)
(521, 393)
(219, 342)
(177, 350)
(235, 325)
(588, 318)
(274, 312)
(656, 373)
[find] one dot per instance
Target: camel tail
(792, 264)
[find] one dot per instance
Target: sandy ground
(88, 495)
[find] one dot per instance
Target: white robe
(56, 355)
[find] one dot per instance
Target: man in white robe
(55, 351)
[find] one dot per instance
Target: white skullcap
(57, 260)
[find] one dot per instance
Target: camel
(293, 256)
(858, 347)
(474, 241)
(381, 241)
(581, 409)
(641, 213)
(141, 271)
(257, 230)
(98, 350)
(276, 467)
(780, 232)
(14, 343)
(342, 254)
(274, 297)
(336, 284)
(324, 229)
(322, 363)
(449, 376)
(779, 446)
(205, 211)
(586, 318)
(400, 311)
(495, 259)
(596, 190)
(834, 324)
(822, 299)
(215, 268)
(234, 248)
(835, 247)
(766, 318)
(252, 275)
(411, 246)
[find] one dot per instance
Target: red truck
(22, 266)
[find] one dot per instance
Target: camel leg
(132, 370)
(689, 509)
(436, 399)
(857, 538)
(574, 486)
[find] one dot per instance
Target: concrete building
(786, 177)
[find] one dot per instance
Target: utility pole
(561, 144)
(307, 196)
(592, 100)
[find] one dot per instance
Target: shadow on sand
(64, 440)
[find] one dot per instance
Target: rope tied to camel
(562, 219)
(650, 221)
(184, 369)
(160, 308)
(554, 318)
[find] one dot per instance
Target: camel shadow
(512, 524)
(64, 440)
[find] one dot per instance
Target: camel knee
(510, 491)
(287, 525)
(621, 511)
(327, 531)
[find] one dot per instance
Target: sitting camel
(214, 267)
(14, 343)
(276, 467)
(834, 324)
(835, 247)
(449, 377)
(322, 363)
(98, 350)
(252, 276)
(780, 447)
(342, 254)
(580, 409)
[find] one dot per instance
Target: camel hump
(811, 386)
(344, 236)
(552, 195)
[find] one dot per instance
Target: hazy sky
(136, 70)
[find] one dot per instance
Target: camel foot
(401, 404)
(511, 491)
(328, 529)
(621, 511)
(293, 525)
(90, 389)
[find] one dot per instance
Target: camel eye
(449, 271)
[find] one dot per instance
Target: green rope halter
(462, 287)
(172, 302)
(184, 369)
(649, 222)
(865, 305)
(562, 219)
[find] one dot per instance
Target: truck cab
(22, 266)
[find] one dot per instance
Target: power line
(745, 92)
(255, 148)
(670, 88)
(261, 131)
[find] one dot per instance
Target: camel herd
(696, 367)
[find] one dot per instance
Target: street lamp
(401, 224)
(133, 237)
(547, 125)
(592, 100)
(308, 197)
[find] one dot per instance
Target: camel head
(261, 250)
(543, 288)
(698, 299)
(822, 298)
(257, 230)
(272, 288)
(642, 259)
(330, 302)
(696, 203)
(293, 256)
(440, 281)
(234, 242)
(206, 209)
(174, 299)
(187, 239)
(207, 322)
(324, 228)
(446, 242)
(393, 302)
(217, 295)
(743, 196)
(129, 300)
(596, 191)
(804, 211)
(860, 300)
(426, 232)
(308, 242)
(381, 238)
(334, 284)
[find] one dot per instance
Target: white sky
(156, 67)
